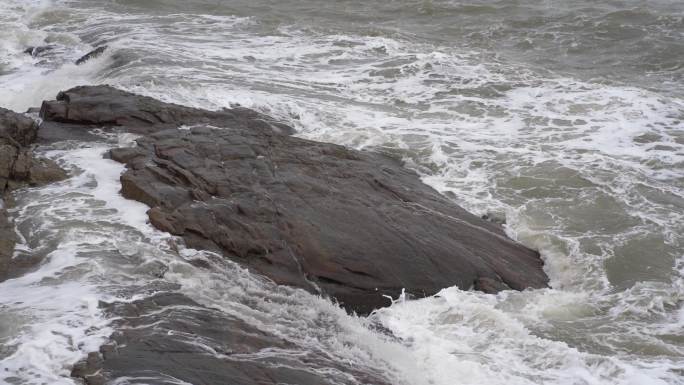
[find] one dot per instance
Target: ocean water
(565, 118)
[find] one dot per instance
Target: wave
(588, 172)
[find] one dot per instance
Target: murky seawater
(564, 118)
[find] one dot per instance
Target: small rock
(499, 219)
(44, 171)
(36, 51)
(91, 55)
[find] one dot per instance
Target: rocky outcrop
(207, 347)
(106, 106)
(355, 226)
(18, 167)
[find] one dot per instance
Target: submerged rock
(169, 338)
(38, 50)
(7, 242)
(352, 225)
(91, 55)
(355, 226)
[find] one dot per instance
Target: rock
(36, 51)
(12, 265)
(8, 154)
(126, 154)
(7, 242)
(51, 132)
(355, 226)
(22, 165)
(169, 336)
(104, 105)
(19, 167)
(24, 169)
(352, 225)
(17, 129)
(489, 285)
(494, 217)
(44, 171)
(91, 55)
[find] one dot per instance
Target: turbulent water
(566, 118)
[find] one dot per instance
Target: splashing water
(542, 114)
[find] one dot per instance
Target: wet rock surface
(355, 226)
(36, 51)
(169, 337)
(91, 55)
(19, 167)
(85, 107)
(7, 241)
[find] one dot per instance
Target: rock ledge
(352, 225)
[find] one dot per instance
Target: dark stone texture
(353, 225)
(103, 105)
(168, 337)
(17, 129)
(19, 167)
(38, 50)
(91, 55)
(51, 132)
(7, 242)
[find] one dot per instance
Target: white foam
(467, 136)
(58, 323)
(473, 338)
(471, 128)
(26, 81)
(57, 303)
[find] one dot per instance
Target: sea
(562, 119)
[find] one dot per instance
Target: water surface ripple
(563, 118)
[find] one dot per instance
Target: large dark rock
(356, 226)
(103, 105)
(167, 338)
